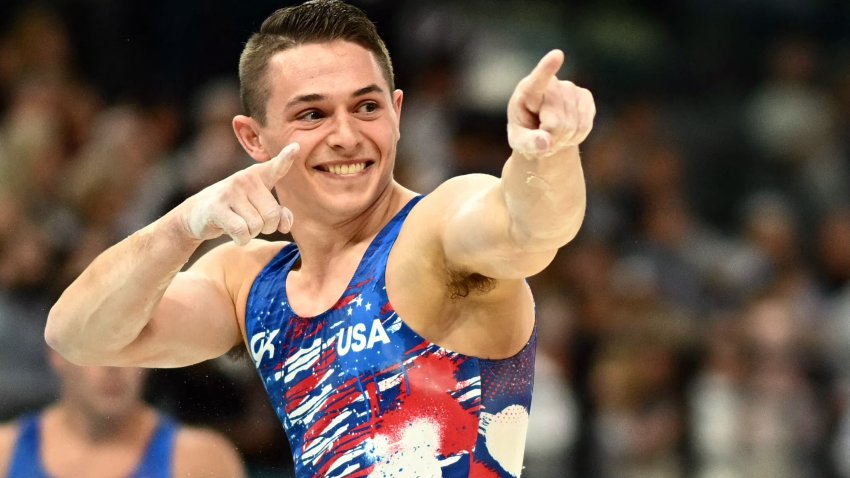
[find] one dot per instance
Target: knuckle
(242, 179)
(221, 198)
(269, 228)
(255, 224)
(587, 95)
(568, 86)
(238, 229)
(270, 214)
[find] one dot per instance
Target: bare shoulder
(460, 188)
(8, 437)
(221, 280)
(418, 241)
(428, 217)
(230, 257)
(205, 453)
(235, 267)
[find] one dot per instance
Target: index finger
(276, 168)
(547, 67)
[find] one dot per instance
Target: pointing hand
(242, 205)
(547, 115)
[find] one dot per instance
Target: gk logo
(260, 345)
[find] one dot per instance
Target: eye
(311, 115)
(368, 107)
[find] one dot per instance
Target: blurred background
(698, 326)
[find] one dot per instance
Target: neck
(319, 241)
(92, 427)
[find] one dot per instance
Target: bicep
(476, 233)
(194, 321)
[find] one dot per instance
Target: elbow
(59, 337)
(86, 336)
(53, 334)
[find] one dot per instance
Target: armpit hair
(461, 284)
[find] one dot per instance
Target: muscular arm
(511, 227)
(117, 312)
(132, 306)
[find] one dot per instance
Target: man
(395, 336)
(100, 427)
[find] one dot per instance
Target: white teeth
(345, 169)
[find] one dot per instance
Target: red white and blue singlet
(360, 393)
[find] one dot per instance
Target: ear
(248, 133)
(398, 98)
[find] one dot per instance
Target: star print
(368, 306)
(350, 311)
(359, 300)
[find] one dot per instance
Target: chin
(347, 202)
(348, 209)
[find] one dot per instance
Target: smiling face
(332, 99)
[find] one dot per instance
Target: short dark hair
(316, 21)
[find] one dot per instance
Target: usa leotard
(359, 393)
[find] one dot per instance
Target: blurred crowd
(699, 325)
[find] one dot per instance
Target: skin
(100, 427)
(330, 106)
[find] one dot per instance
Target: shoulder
(205, 453)
(460, 188)
(236, 265)
(228, 255)
(428, 219)
(444, 201)
(419, 254)
(8, 437)
(228, 270)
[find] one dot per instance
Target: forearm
(542, 181)
(108, 306)
(545, 198)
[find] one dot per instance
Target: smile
(344, 169)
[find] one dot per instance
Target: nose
(344, 136)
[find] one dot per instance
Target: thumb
(528, 141)
(276, 168)
(286, 220)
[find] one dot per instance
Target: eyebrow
(313, 97)
(373, 88)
